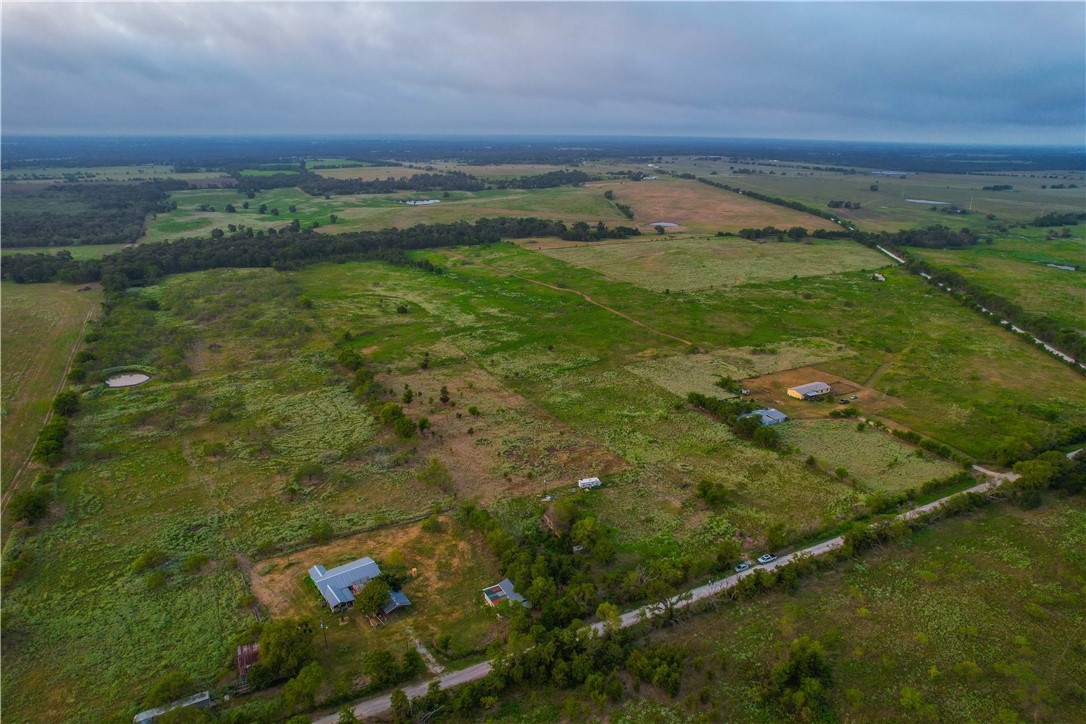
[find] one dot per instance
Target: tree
(300, 693)
(346, 715)
(404, 427)
(437, 476)
(231, 209)
(29, 505)
(286, 645)
(609, 615)
(263, 208)
(801, 683)
(66, 403)
(275, 212)
(401, 707)
(424, 424)
(380, 666)
(292, 209)
(444, 395)
(659, 229)
(372, 596)
(170, 687)
(333, 218)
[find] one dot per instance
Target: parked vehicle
(742, 567)
(767, 558)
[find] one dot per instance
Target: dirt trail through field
(14, 485)
(582, 295)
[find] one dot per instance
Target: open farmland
(376, 211)
(1016, 267)
(42, 324)
(688, 264)
(701, 208)
(888, 208)
(878, 460)
(933, 366)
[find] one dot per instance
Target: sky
(975, 72)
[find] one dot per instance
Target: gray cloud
(979, 72)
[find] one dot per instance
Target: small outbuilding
(768, 416)
(878, 277)
(589, 483)
(248, 654)
(502, 591)
(809, 391)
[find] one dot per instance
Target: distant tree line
(932, 237)
(1057, 218)
(284, 249)
(998, 187)
(547, 180)
(76, 214)
(317, 185)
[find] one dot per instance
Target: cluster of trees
(843, 204)
(795, 233)
(84, 213)
(731, 412)
(49, 447)
(581, 231)
(1069, 341)
(285, 249)
(547, 180)
(932, 237)
(997, 187)
(930, 445)
(317, 185)
(1058, 218)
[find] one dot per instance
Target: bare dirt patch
(772, 391)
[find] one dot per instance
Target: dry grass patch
(701, 207)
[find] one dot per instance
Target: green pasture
(888, 209)
(102, 173)
(82, 251)
(1016, 267)
(878, 460)
(960, 378)
(688, 264)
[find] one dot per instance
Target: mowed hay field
(42, 323)
(701, 208)
(1015, 267)
(687, 264)
(877, 459)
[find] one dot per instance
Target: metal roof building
(589, 483)
(501, 592)
(769, 416)
(809, 390)
(396, 599)
(335, 585)
(200, 701)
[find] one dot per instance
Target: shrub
(66, 403)
(30, 505)
(150, 559)
(195, 562)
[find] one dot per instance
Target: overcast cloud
(969, 72)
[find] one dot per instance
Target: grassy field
(700, 208)
(688, 264)
(937, 367)
(888, 209)
(878, 460)
(976, 619)
(41, 326)
(1015, 267)
(102, 173)
(82, 251)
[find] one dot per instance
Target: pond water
(134, 378)
(925, 201)
(423, 202)
(664, 224)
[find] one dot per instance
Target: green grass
(887, 208)
(878, 460)
(980, 616)
(688, 264)
(1014, 267)
(102, 173)
(83, 251)
(41, 325)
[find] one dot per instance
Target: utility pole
(324, 630)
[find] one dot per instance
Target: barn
(809, 391)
